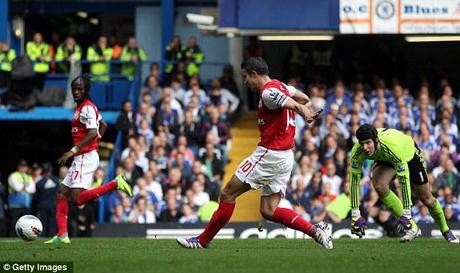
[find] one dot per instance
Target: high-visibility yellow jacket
(63, 53)
(129, 69)
(101, 65)
(34, 51)
(195, 55)
(6, 60)
(174, 54)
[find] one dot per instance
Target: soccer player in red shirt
(87, 129)
(270, 165)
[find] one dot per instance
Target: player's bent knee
(267, 213)
(380, 188)
(427, 200)
(226, 195)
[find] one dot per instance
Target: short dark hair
(367, 131)
(256, 64)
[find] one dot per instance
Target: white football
(28, 227)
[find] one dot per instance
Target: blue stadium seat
(119, 93)
(56, 82)
(99, 95)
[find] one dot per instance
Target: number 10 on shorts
(245, 167)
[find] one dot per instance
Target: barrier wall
(243, 231)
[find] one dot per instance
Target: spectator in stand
(424, 106)
(426, 141)
(188, 215)
(447, 99)
(176, 180)
(328, 148)
(194, 56)
(36, 172)
(43, 204)
(144, 113)
(119, 216)
(68, 53)
(175, 52)
(134, 55)
(131, 171)
(219, 95)
(21, 187)
(38, 52)
(331, 178)
(168, 96)
(116, 47)
(154, 180)
(154, 70)
(448, 128)
(182, 147)
(141, 190)
(195, 90)
(341, 161)
(152, 87)
(449, 177)
(172, 212)
(125, 121)
(140, 214)
(184, 165)
(177, 90)
(145, 130)
(132, 143)
(100, 54)
(338, 97)
(200, 197)
(303, 177)
(423, 216)
(219, 130)
(212, 160)
(167, 120)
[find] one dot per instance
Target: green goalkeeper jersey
(395, 148)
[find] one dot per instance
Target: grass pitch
(251, 255)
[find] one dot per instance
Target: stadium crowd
(179, 168)
(176, 146)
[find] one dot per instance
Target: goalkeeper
(394, 153)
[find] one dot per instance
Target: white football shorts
(80, 174)
(267, 169)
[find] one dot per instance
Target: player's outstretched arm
(308, 114)
(300, 97)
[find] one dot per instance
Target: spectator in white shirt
(140, 214)
(332, 178)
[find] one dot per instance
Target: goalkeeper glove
(403, 224)
(358, 224)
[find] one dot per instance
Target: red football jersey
(276, 124)
(86, 117)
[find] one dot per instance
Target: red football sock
(291, 219)
(62, 208)
(220, 217)
(89, 195)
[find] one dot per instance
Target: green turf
(252, 255)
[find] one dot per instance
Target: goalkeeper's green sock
(438, 215)
(393, 203)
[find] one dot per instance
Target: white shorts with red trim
(80, 174)
(267, 169)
